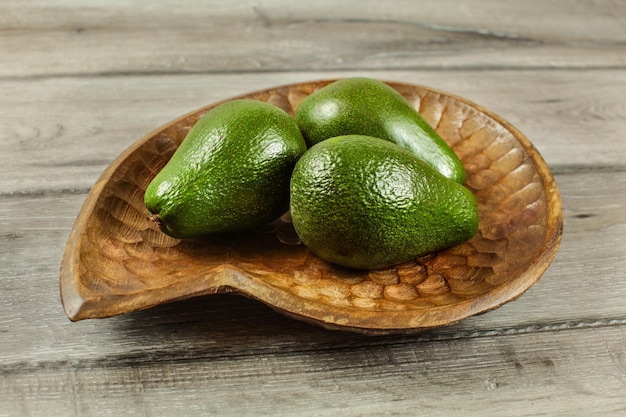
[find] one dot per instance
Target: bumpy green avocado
(230, 173)
(364, 106)
(366, 203)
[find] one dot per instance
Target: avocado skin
(364, 106)
(365, 203)
(230, 173)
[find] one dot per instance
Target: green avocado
(366, 203)
(364, 106)
(230, 173)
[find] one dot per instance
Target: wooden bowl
(116, 260)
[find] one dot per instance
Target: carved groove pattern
(125, 263)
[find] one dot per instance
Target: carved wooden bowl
(117, 261)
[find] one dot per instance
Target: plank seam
(200, 353)
(239, 71)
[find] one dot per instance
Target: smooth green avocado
(366, 203)
(230, 173)
(364, 106)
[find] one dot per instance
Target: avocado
(230, 173)
(364, 106)
(366, 203)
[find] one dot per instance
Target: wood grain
(33, 247)
(521, 375)
(80, 82)
(81, 131)
(256, 36)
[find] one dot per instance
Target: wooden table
(81, 81)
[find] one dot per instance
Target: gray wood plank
(584, 288)
(171, 36)
(516, 375)
(77, 126)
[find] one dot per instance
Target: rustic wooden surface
(82, 81)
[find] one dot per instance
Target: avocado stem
(156, 219)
